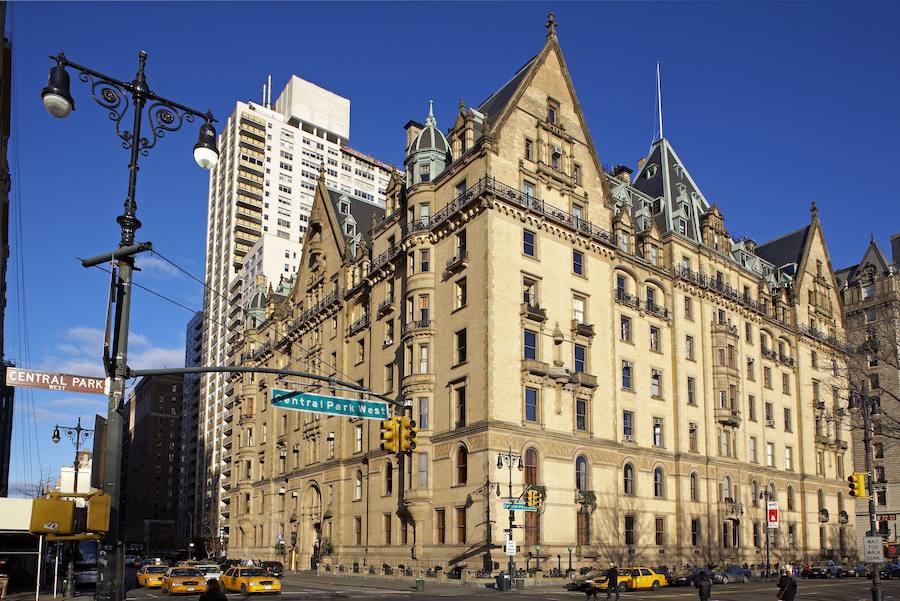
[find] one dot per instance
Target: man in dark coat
(612, 581)
(704, 586)
(787, 586)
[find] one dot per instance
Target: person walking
(213, 592)
(4, 578)
(787, 586)
(612, 581)
(704, 586)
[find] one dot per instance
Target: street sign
(519, 507)
(772, 513)
(31, 378)
(510, 546)
(330, 405)
(874, 549)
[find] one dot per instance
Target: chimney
(641, 162)
(412, 130)
(895, 249)
(623, 173)
(269, 92)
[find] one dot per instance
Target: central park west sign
(31, 378)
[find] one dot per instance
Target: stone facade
(653, 374)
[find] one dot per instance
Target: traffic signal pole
(865, 410)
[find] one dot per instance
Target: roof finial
(462, 103)
(430, 120)
(872, 237)
(813, 211)
(551, 25)
(659, 101)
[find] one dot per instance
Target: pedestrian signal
(857, 483)
(390, 435)
(408, 432)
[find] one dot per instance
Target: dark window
(388, 478)
(578, 262)
(460, 406)
(530, 343)
(584, 528)
(460, 346)
(440, 525)
(581, 415)
(528, 243)
(531, 404)
(630, 521)
(532, 519)
(581, 473)
(460, 525)
(628, 479)
(579, 358)
(462, 465)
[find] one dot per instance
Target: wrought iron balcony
(419, 225)
(657, 310)
(785, 360)
(457, 263)
(386, 306)
(583, 329)
(627, 299)
(532, 311)
(769, 354)
(413, 326)
(358, 325)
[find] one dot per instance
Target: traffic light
(98, 507)
(408, 432)
(533, 498)
(857, 484)
(390, 435)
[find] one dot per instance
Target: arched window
(531, 466)
(659, 484)
(790, 498)
(771, 488)
(726, 488)
(754, 493)
(695, 491)
(462, 465)
(581, 473)
(388, 478)
(821, 499)
(628, 479)
(357, 486)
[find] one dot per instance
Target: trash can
(420, 584)
(520, 584)
(502, 582)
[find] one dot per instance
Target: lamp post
(117, 98)
(866, 410)
(508, 459)
(569, 549)
(765, 495)
(78, 436)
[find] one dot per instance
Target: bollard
(420, 584)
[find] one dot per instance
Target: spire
(551, 25)
(430, 120)
(813, 211)
(659, 102)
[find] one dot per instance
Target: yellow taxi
(249, 579)
(151, 576)
(182, 579)
(631, 579)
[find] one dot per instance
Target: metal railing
(335, 296)
(711, 283)
(625, 298)
(419, 324)
(659, 311)
(358, 325)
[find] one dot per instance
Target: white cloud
(80, 350)
(157, 267)
(157, 357)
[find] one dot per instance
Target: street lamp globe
(205, 152)
(56, 97)
(55, 438)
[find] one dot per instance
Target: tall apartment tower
(262, 188)
(151, 481)
(6, 392)
(870, 291)
(190, 422)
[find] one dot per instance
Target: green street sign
(330, 405)
(519, 507)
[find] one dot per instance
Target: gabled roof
(785, 249)
(873, 256)
(362, 211)
(495, 103)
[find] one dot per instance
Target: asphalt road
(313, 588)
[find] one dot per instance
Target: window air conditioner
(770, 422)
(629, 437)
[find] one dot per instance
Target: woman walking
(213, 592)
(787, 586)
(704, 586)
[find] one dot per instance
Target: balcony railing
(334, 297)
(412, 326)
(705, 281)
(457, 262)
(769, 354)
(657, 310)
(386, 306)
(419, 225)
(358, 325)
(728, 417)
(785, 360)
(823, 337)
(379, 261)
(583, 329)
(531, 310)
(627, 299)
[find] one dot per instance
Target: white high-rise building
(260, 192)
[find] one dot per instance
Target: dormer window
(345, 207)
(425, 173)
(349, 229)
(679, 171)
(552, 111)
(651, 171)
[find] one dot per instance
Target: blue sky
(770, 105)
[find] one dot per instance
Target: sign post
(510, 547)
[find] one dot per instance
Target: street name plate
(330, 405)
(510, 546)
(518, 507)
(30, 378)
(874, 549)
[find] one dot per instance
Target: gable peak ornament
(551, 25)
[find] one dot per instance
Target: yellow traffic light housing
(390, 435)
(98, 508)
(52, 516)
(408, 432)
(857, 483)
(533, 498)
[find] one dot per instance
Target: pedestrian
(612, 581)
(704, 586)
(213, 592)
(4, 579)
(787, 586)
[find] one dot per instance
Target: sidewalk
(396, 582)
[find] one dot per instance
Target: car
(587, 581)
(210, 571)
(273, 568)
(247, 580)
(631, 579)
(826, 570)
(692, 577)
(664, 570)
(151, 576)
(183, 579)
(732, 574)
(890, 571)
